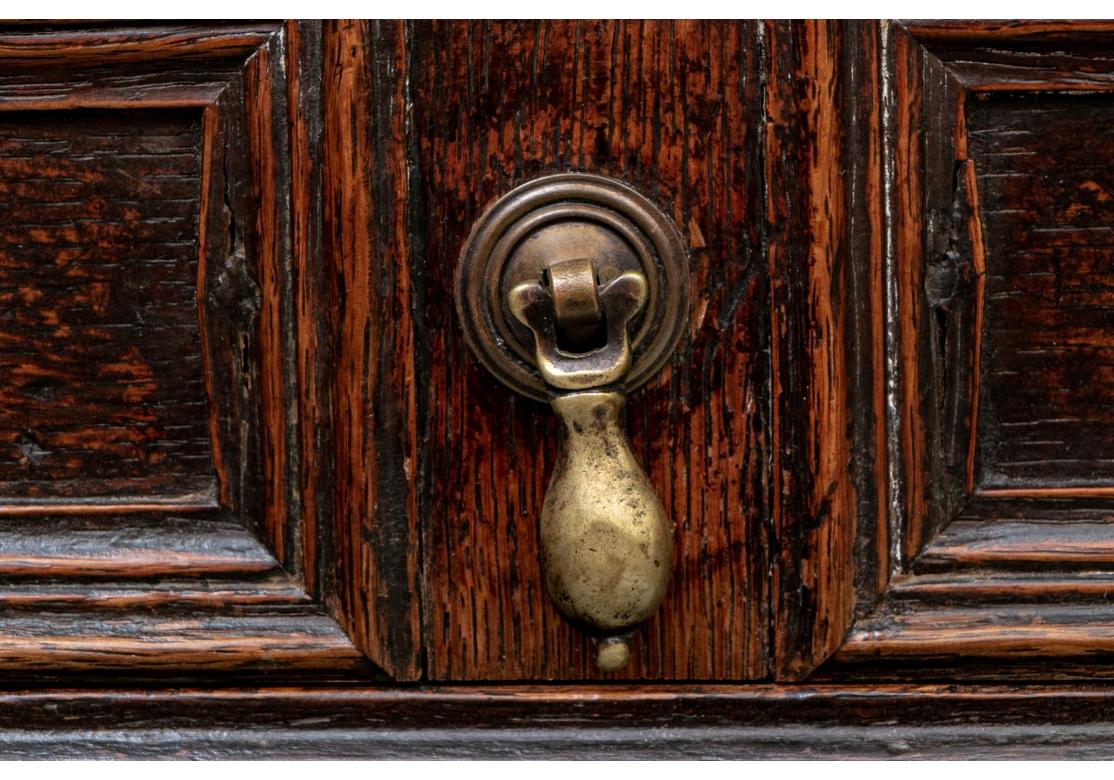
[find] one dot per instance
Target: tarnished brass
(612, 653)
(573, 289)
(576, 303)
(621, 299)
(569, 216)
(607, 544)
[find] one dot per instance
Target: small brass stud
(612, 654)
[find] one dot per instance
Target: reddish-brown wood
(820, 124)
(269, 164)
(140, 643)
(370, 548)
(151, 394)
(99, 402)
(131, 43)
(103, 398)
(674, 110)
(242, 443)
(303, 68)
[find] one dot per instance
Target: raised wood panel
(1046, 402)
(884, 439)
(104, 393)
(982, 529)
(674, 109)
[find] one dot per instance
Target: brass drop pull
(573, 289)
(607, 544)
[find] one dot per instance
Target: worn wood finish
(822, 122)
(103, 394)
(287, 173)
(139, 643)
(674, 110)
(985, 454)
(1045, 405)
(369, 548)
(242, 443)
(129, 547)
(136, 43)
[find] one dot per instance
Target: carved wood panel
(239, 429)
(159, 260)
(969, 532)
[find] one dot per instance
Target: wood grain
(1077, 631)
(309, 284)
(992, 557)
(932, 307)
(1005, 533)
(134, 43)
(153, 187)
(1049, 336)
(1013, 31)
(863, 203)
(268, 170)
(370, 549)
(137, 644)
(819, 126)
(129, 547)
(673, 109)
(103, 393)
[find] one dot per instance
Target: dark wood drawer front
(241, 435)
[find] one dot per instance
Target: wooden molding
(548, 722)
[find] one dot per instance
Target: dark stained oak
(974, 437)
(159, 257)
(373, 379)
(128, 547)
(99, 344)
(47, 642)
(1045, 407)
(130, 43)
(910, 721)
(823, 189)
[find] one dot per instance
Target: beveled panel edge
(880, 643)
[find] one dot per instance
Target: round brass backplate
(566, 217)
